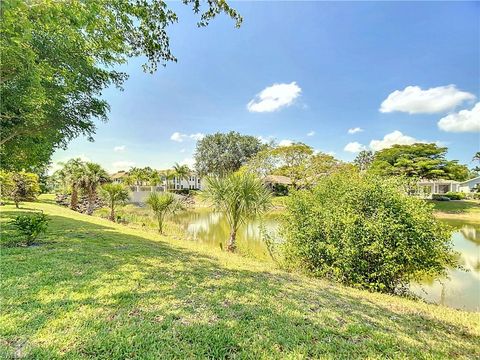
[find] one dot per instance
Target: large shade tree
(427, 161)
(220, 154)
(58, 57)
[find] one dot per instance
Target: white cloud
(414, 100)
(179, 137)
(462, 121)
(393, 138)
(122, 165)
(119, 148)
(311, 133)
(354, 147)
(197, 136)
(355, 130)
(285, 142)
(275, 97)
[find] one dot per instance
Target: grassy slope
(101, 290)
(468, 210)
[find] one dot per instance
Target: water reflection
(460, 290)
(211, 228)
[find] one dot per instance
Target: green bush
(456, 195)
(364, 231)
(438, 197)
(30, 227)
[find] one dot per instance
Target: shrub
(455, 195)
(364, 231)
(30, 226)
(438, 197)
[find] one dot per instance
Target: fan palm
(114, 194)
(239, 196)
(70, 177)
(162, 205)
(92, 176)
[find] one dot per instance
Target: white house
(438, 186)
(469, 185)
(140, 191)
(429, 187)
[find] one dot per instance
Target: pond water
(461, 290)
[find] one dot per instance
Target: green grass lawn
(100, 290)
(459, 209)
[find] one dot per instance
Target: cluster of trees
(425, 161)
(19, 186)
(58, 57)
(140, 176)
(77, 175)
(222, 154)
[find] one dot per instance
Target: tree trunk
(160, 224)
(16, 204)
(231, 245)
(74, 198)
(91, 203)
(112, 212)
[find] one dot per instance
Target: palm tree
(239, 196)
(155, 178)
(181, 172)
(92, 176)
(168, 175)
(162, 205)
(114, 194)
(70, 176)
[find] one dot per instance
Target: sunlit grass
(100, 290)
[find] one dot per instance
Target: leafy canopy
(298, 161)
(420, 160)
(220, 154)
(58, 57)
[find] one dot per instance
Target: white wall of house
(469, 185)
(192, 182)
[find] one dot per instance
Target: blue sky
(324, 68)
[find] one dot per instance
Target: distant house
(469, 185)
(118, 177)
(438, 186)
(429, 187)
(140, 191)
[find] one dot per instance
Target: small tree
(163, 204)
(6, 183)
(239, 196)
(31, 226)
(22, 186)
(114, 194)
